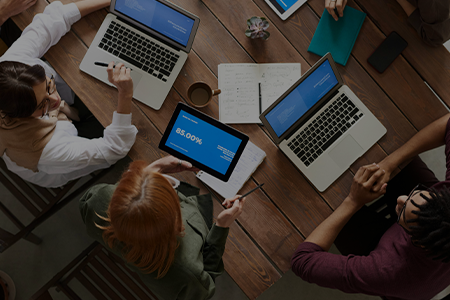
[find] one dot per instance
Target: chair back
(34, 203)
(99, 274)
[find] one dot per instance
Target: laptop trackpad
(346, 152)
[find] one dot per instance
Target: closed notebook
(337, 37)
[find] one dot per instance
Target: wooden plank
(118, 272)
(18, 195)
(111, 278)
(433, 64)
(102, 285)
(90, 287)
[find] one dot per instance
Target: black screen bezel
(243, 137)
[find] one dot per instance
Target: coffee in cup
(200, 94)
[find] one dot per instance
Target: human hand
(120, 76)
(388, 168)
(170, 164)
(330, 5)
(233, 211)
(70, 112)
(9, 8)
(361, 191)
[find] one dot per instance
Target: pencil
(251, 191)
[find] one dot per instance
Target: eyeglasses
(45, 104)
(417, 189)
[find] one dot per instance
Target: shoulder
(96, 201)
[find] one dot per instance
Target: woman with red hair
(162, 227)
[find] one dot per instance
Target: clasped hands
(369, 183)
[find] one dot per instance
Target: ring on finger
(179, 162)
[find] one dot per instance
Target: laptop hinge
(313, 112)
(154, 37)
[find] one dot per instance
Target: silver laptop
(321, 125)
(152, 37)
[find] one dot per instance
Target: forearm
(407, 7)
(88, 6)
(426, 139)
(124, 104)
(325, 234)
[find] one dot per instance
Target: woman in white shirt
(62, 155)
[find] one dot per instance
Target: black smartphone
(387, 52)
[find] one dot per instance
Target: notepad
(250, 159)
(337, 37)
(249, 89)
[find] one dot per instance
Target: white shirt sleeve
(66, 153)
(45, 31)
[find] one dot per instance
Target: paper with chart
(251, 158)
(249, 89)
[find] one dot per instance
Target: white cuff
(121, 119)
(71, 12)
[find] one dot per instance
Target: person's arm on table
(9, 8)
(426, 139)
(429, 19)
(313, 263)
(360, 194)
(48, 27)
(76, 153)
(339, 5)
(89, 6)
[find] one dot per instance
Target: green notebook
(337, 37)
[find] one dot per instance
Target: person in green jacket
(162, 228)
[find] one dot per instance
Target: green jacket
(198, 259)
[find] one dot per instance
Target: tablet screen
(203, 141)
(283, 5)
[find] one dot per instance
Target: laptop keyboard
(139, 51)
(328, 126)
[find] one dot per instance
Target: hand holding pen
(228, 202)
(234, 209)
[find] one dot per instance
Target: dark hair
(17, 97)
(432, 225)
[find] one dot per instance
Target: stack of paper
(250, 159)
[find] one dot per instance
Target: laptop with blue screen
(321, 125)
(152, 37)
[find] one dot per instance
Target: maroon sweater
(395, 269)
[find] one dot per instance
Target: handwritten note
(240, 101)
(250, 159)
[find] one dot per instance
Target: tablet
(203, 141)
(285, 8)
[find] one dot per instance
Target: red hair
(145, 215)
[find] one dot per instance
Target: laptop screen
(302, 98)
(159, 17)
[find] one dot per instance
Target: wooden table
(278, 217)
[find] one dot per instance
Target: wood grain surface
(288, 208)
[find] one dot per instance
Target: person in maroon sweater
(404, 257)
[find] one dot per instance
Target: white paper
(239, 101)
(251, 158)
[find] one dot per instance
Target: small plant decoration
(257, 28)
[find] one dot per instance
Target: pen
(260, 105)
(251, 191)
(102, 64)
